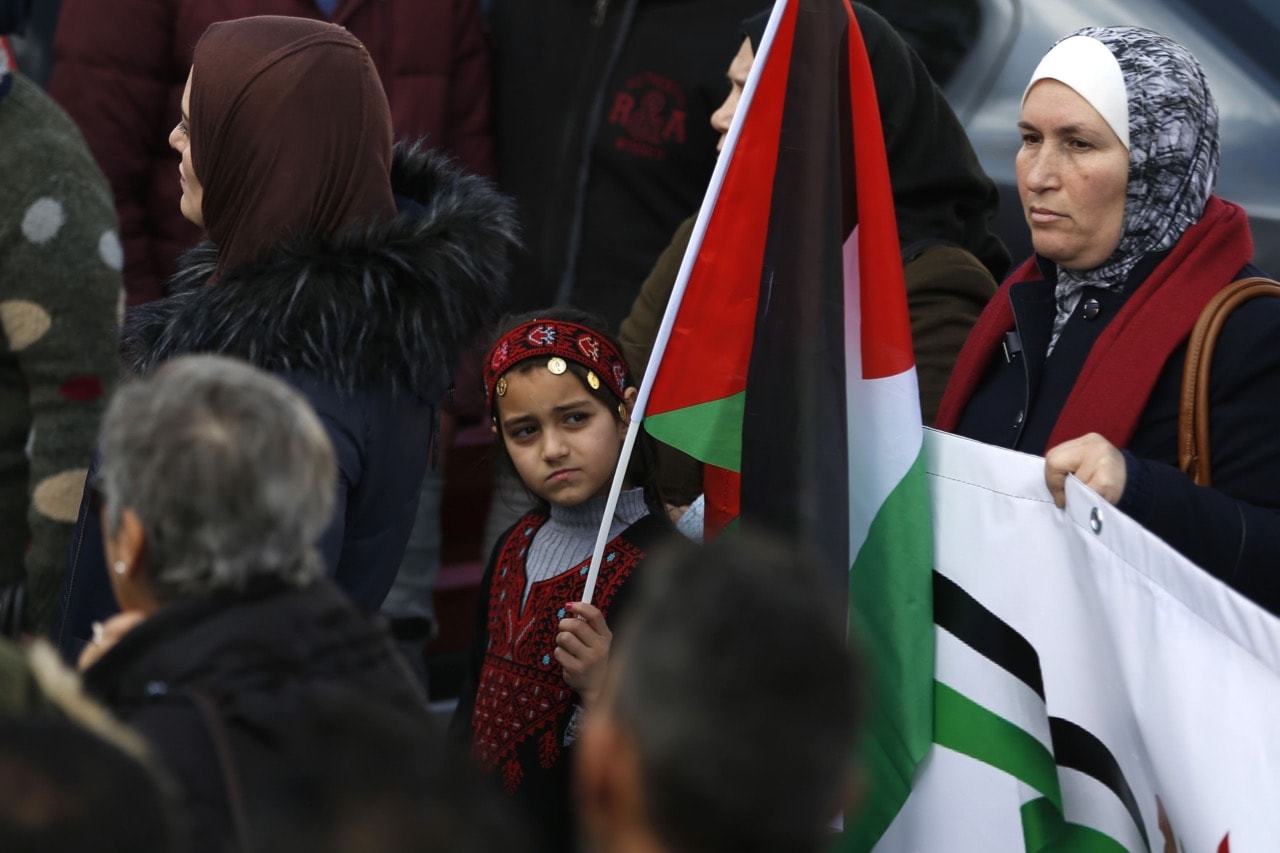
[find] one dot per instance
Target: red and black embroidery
(522, 700)
(547, 338)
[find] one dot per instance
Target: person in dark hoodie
(310, 273)
(601, 112)
(217, 481)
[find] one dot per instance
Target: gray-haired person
(216, 481)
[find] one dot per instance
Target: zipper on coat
(603, 74)
(71, 573)
(1025, 410)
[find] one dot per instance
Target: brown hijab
(290, 134)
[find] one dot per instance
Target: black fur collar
(396, 302)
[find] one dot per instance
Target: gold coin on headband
(501, 387)
(622, 412)
(593, 380)
(556, 365)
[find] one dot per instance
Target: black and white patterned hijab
(1173, 155)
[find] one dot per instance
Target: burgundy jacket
(121, 67)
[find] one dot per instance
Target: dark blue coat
(366, 328)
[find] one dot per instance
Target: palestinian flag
(788, 363)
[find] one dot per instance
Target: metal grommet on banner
(593, 380)
(1095, 520)
(501, 388)
(557, 365)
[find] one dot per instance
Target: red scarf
(1112, 389)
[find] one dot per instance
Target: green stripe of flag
(891, 611)
(965, 726)
(710, 432)
(1045, 831)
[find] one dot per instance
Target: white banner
(1095, 691)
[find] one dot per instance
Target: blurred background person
(730, 711)
(60, 299)
(1080, 356)
(382, 783)
(29, 29)
(359, 274)
(66, 790)
(217, 481)
(72, 777)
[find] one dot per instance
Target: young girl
(560, 396)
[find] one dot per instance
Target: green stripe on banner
(891, 612)
(1044, 831)
(963, 725)
(710, 432)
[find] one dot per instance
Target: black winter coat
(1232, 529)
(267, 664)
(368, 328)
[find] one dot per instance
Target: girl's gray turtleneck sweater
(570, 535)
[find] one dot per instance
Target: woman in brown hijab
(355, 272)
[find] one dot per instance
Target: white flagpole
(677, 296)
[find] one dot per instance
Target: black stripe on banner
(984, 632)
(1076, 748)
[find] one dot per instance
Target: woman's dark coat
(272, 668)
(368, 329)
(1232, 529)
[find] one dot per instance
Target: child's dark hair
(642, 469)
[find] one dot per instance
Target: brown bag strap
(1193, 412)
(226, 763)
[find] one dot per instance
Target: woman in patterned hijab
(1160, 107)
(1081, 352)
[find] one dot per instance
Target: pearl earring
(120, 568)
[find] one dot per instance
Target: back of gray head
(229, 470)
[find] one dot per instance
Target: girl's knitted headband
(559, 341)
